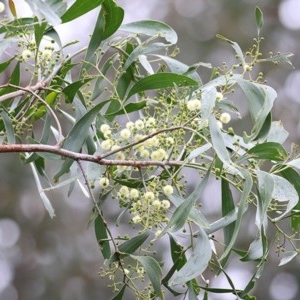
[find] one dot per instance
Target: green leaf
(282, 57)
(79, 8)
(218, 142)
(5, 64)
(227, 207)
(49, 10)
(277, 133)
(77, 136)
(131, 107)
(134, 243)
(268, 150)
(39, 30)
(160, 81)
(197, 263)
(284, 191)
(246, 189)
(259, 19)
(287, 257)
(182, 212)
(151, 28)
(153, 271)
(120, 294)
(255, 251)
(236, 48)
(102, 237)
(294, 178)
(260, 102)
(10, 134)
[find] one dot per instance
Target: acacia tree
(139, 120)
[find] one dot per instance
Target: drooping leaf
(131, 107)
(287, 257)
(131, 245)
(294, 178)
(284, 191)
(255, 251)
(151, 28)
(197, 263)
(159, 81)
(120, 295)
(12, 8)
(102, 237)
(154, 272)
(269, 150)
(9, 130)
(79, 8)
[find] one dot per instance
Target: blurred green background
(59, 259)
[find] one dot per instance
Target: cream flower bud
(136, 219)
(2, 7)
(107, 144)
(46, 54)
(165, 204)
(225, 118)
(194, 105)
(247, 68)
(150, 122)
(130, 125)
(149, 196)
(139, 124)
(220, 125)
(158, 232)
(104, 182)
(26, 54)
(159, 154)
(219, 96)
(168, 190)
(124, 191)
(170, 141)
(125, 133)
(126, 271)
(156, 203)
(144, 153)
(104, 128)
(134, 193)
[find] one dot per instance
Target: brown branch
(98, 159)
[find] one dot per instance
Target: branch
(98, 159)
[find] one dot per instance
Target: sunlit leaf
(152, 28)
(255, 251)
(197, 262)
(287, 257)
(269, 150)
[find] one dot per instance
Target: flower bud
(225, 118)
(194, 105)
(104, 182)
(2, 7)
(26, 55)
(168, 190)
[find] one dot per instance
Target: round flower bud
(149, 196)
(170, 141)
(104, 128)
(124, 191)
(247, 68)
(106, 145)
(46, 54)
(139, 124)
(136, 219)
(156, 203)
(126, 271)
(225, 118)
(165, 204)
(144, 153)
(168, 190)
(150, 122)
(130, 125)
(220, 125)
(194, 105)
(104, 182)
(120, 156)
(219, 96)
(26, 55)
(2, 7)
(159, 154)
(125, 133)
(134, 193)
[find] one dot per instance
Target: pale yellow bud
(2, 7)
(168, 190)
(225, 118)
(194, 105)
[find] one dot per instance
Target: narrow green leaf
(284, 191)
(10, 134)
(79, 8)
(287, 257)
(152, 28)
(159, 81)
(197, 263)
(260, 100)
(102, 237)
(77, 136)
(14, 79)
(269, 150)
(259, 19)
(120, 294)
(131, 107)
(182, 212)
(294, 178)
(236, 48)
(134, 243)
(153, 271)
(39, 30)
(246, 189)
(255, 251)
(227, 207)
(5, 64)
